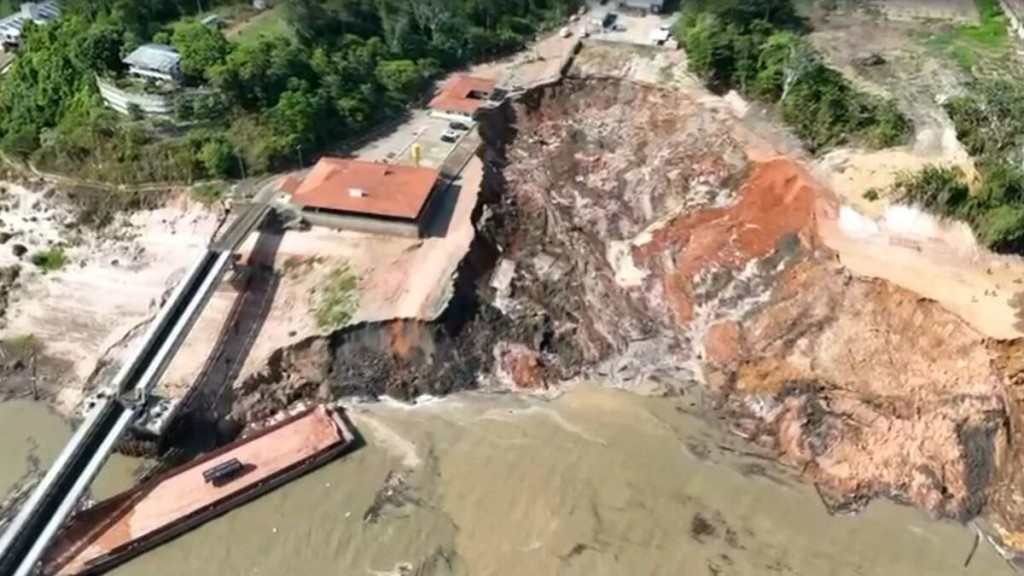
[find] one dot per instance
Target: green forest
(758, 48)
(989, 120)
(346, 66)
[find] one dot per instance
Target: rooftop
(152, 56)
(643, 3)
(40, 12)
(660, 35)
(369, 188)
(463, 94)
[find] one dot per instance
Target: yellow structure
(416, 153)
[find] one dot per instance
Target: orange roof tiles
(370, 188)
(289, 183)
(147, 511)
(457, 94)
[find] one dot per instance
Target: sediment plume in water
(595, 482)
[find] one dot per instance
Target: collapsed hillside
(864, 386)
(625, 236)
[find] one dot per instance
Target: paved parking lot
(396, 147)
(636, 29)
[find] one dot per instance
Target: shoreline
(719, 341)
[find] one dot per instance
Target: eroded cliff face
(869, 389)
(641, 246)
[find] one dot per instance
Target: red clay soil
(524, 367)
(872, 389)
(722, 344)
(777, 200)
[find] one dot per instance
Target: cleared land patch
(269, 23)
(983, 44)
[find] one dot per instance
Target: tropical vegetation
(758, 47)
(348, 65)
(989, 119)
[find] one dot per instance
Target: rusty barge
(154, 512)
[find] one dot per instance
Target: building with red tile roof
(463, 94)
(368, 196)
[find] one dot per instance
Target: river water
(593, 482)
(32, 435)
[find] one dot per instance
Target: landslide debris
(626, 236)
(866, 387)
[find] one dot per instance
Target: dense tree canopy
(343, 66)
(757, 47)
(201, 48)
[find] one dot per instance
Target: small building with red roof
(366, 196)
(462, 95)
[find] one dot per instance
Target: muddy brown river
(593, 482)
(32, 435)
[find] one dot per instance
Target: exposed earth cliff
(867, 387)
(633, 235)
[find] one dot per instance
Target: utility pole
(298, 150)
(241, 165)
(35, 383)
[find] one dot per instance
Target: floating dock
(126, 525)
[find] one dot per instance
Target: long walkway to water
(67, 478)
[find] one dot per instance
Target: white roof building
(38, 12)
(156, 61)
(660, 36)
(651, 6)
(214, 20)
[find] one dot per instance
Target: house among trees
(38, 12)
(155, 61)
(151, 85)
(366, 196)
(309, 79)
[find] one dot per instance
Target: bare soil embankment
(868, 388)
(65, 320)
(639, 245)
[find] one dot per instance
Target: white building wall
(366, 224)
(121, 100)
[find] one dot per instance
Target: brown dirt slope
(864, 385)
(648, 250)
(867, 388)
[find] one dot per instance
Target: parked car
(458, 126)
(450, 136)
